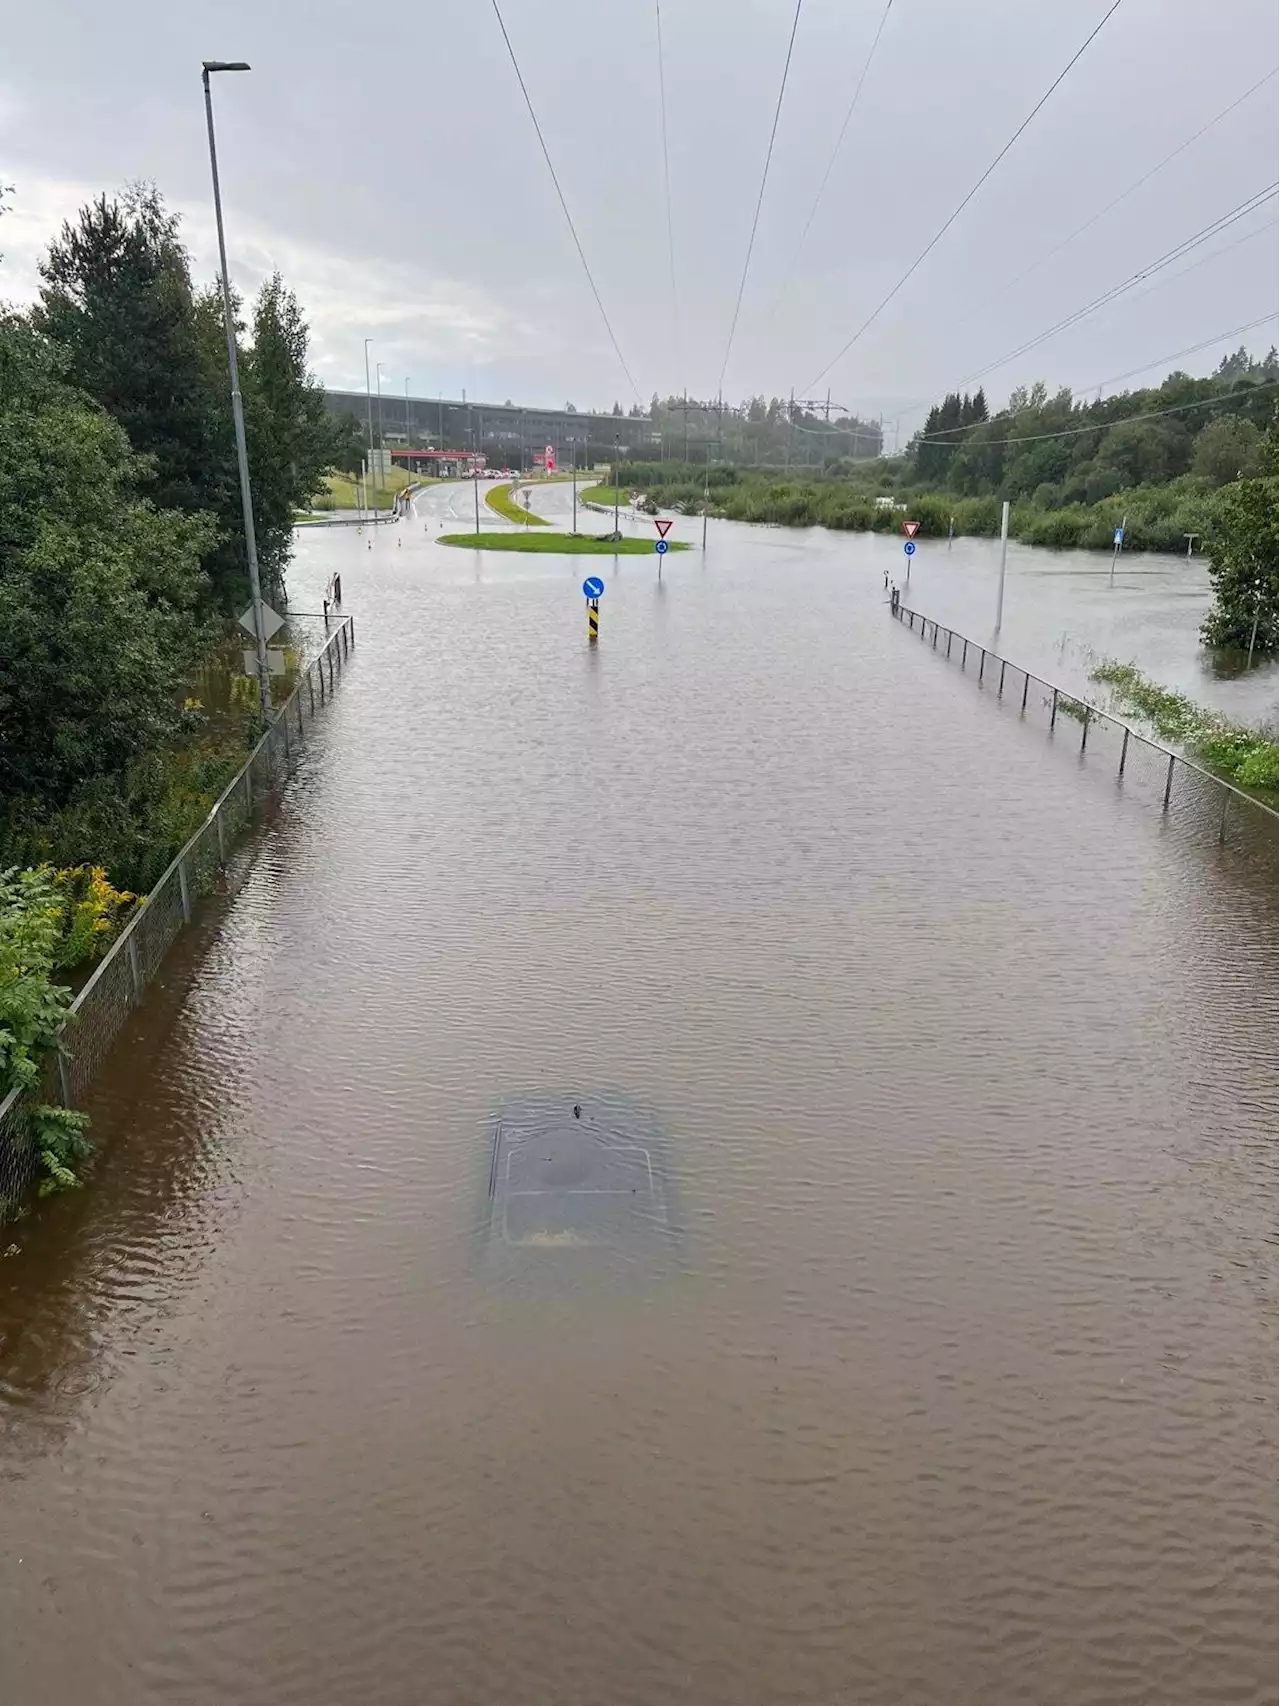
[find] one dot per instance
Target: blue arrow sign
(593, 587)
(661, 547)
(909, 547)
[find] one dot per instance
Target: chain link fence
(1214, 810)
(121, 978)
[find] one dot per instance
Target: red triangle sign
(911, 528)
(663, 527)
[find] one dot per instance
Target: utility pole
(615, 482)
(573, 465)
(237, 404)
(368, 402)
(706, 496)
(382, 442)
(1004, 552)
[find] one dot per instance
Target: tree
(1241, 544)
(99, 590)
(117, 297)
(1227, 449)
(617, 408)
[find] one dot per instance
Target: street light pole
(368, 400)
(615, 482)
(237, 405)
(382, 442)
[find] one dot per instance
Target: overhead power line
(1175, 254)
(573, 230)
(666, 189)
(1134, 186)
(1176, 355)
(1097, 426)
(764, 179)
(950, 221)
(826, 176)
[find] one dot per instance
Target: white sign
(271, 623)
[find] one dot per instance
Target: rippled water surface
(951, 1379)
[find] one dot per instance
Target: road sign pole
(593, 620)
(1118, 542)
(475, 487)
(1004, 554)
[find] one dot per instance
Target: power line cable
(1135, 185)
(764, 178)
(946, 226)
(1176, 253)
(1176, 355)
(666, 186)
(866, 66)
(1097, 426)
(573, 230)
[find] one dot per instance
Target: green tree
(99, 590)
(117, 298)
(1241, 544)
(1227, 449)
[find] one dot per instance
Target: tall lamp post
(382, 443)
(237, 406)
(368, 399)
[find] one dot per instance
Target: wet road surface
(953, 1380)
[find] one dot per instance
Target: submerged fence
(134, 958)
(1215, 809)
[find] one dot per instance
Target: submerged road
(940, 1365)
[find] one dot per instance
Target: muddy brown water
(955, 1382)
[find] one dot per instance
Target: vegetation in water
(558, 544)
(32, 1009)
(501, 501)
(1245, 756)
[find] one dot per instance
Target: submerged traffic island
(563, 544)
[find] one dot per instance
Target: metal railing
(120, 980)
(1144, 767)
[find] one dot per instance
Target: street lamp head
(209, 65)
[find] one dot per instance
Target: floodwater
(948, 1374)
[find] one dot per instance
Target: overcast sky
(385, 162)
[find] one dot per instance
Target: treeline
(1056, 451)
(121, 541)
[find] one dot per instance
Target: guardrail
(120, 979)
(1144, 766)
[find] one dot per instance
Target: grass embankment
(562, 544)
(340, 490)
(606, 495)
(1247, 757)
(501, 502)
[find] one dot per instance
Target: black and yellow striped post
(592, 591)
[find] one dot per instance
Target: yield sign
(911, 528)
(663, 527)
(271, 623)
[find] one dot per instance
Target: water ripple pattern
(959, 1386)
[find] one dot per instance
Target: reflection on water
(958, 1386)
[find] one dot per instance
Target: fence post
(964, 655)
(1053, 715)
(331, 672)
(351, 628)
(311, 689)
(935, 636)
(248, 786)
(1124, 747)
(982, 667)
(222, 838)
(1000, 689)
(320, 673)
(1168, 783)
(64, 1078)
(184, 891)
(1026, 682)
(346, 650)
(135, 969)
(1084, 733)
(950, 636)
(302, 733)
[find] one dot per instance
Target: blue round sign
(909, 547)
(593, 587)
(661, 547)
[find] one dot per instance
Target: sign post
(593, 592)
(1004, 552)
(1117, 544)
